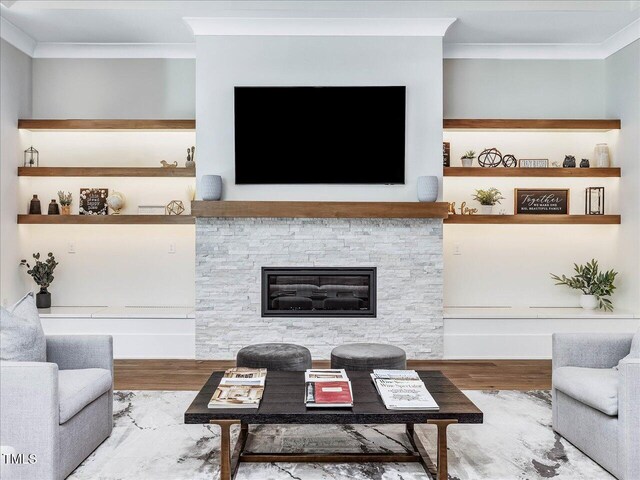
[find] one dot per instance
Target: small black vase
(34, 206)
(54, 209)
(43, 299)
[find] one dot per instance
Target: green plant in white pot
(595, 286)
(467, 158)
(488, 198)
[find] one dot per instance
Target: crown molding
(385, 27)
(523, 51)
(621, 39)
(16, 37)
(115, 50)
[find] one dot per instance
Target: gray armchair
(56, 412)
(596, 406)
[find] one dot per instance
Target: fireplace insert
(318, 292)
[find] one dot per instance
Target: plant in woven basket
(488, 197)
(41, 272)
(591, 281)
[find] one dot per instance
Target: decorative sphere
(116, 202)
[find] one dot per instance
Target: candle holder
(31, 157)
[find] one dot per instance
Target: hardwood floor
(466, 374)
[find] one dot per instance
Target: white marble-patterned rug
(151, 442)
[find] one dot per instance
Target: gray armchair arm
(629, 418)
(80, 351)
(591, 350)
(29, 417)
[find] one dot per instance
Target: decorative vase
(116, 202)
(588, 302)
(427, 189)
(66, 209)
(602, 155)
(211, 186)
(486, 209)
(189, 164)
(34, 206)
(54, 209)
(467, 162)
(43, 298)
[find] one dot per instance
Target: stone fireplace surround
(231, 251)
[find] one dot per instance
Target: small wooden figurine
(166, 164)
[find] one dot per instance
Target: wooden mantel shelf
(105, 172)
(106, 219)
(530, 124)
(534, 219)
(249, 209)
(110, 124)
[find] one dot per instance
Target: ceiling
(576, 26)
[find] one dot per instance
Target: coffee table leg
(442, 465)
(225, 447)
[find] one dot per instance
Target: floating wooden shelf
(531, 124)
(106, 219)
(319, 209)
(535, 219)
(94, 124)
(530, 172)
(105, 172)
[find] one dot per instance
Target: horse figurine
(165, 164)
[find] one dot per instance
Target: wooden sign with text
(541, 201)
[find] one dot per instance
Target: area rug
(516, 442)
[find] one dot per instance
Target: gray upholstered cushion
(367, 356)
(78, 388)
(596, 387)
(275, 356)
(21, 336)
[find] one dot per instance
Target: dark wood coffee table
(283, 403)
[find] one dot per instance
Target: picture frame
(541, 201)
(93, 201)
(533, 163)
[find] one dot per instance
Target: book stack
(403, 390)
(328, 388)
(239, 388)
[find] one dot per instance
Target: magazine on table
(239, 388)
(244, 376)
(327, 388)
(403, 391)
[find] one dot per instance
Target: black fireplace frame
(371, 272)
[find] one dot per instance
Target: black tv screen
(302, 135)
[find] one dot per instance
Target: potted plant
(488, 198)
(42, 273)
(467, 158)
(594, 285)
(65, 202)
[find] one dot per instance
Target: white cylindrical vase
(588, 302)
(211, 187)
(427, 189)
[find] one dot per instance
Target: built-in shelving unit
(530, 124)
(106, 219)
(93, 124)
(534, 219)
(105, 172)
(531, 172)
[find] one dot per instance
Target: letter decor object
(550, 201)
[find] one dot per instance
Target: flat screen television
(304, 135)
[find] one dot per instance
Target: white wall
(524, 88)
(623, 101)
(113, 88)
(225, 62)
(113, 264)
(15, 103)
(509, 265)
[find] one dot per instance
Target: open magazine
(403, 390)
(239, 388)
(328, 388)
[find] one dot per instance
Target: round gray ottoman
(284, 357)
(367, 356)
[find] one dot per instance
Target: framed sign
(93, 201)
(551, 201)
(533, 162)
